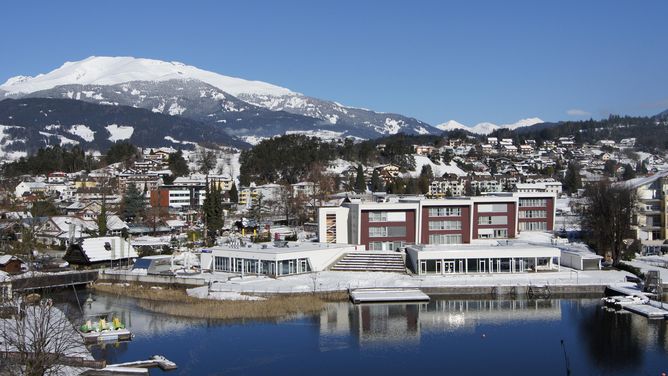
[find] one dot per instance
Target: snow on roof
(4, 259)
(638, 182)
(107, 248)
(114, 223)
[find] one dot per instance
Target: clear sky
(471, 61)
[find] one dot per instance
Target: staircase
(371, 261)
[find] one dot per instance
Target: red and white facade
(393, 225)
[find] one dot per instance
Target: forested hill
(651, 133)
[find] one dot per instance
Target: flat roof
(271, 249)
(499, 250)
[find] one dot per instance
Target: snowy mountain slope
(104, 70)
(94, 73)
(199, 101)
(487, 128)
(31, 123)
(452, 125)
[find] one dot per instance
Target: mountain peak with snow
(106, 70)
(485, 128)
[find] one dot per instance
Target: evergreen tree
(629, 173)
(376, 182)
(208, 162)
(234, 194)
(426, 176)
(213, 210)
(448, 192)
(102, 220)
(178, 164)
(360, 182)
(572, 180)
(133, 203)
(468, 189)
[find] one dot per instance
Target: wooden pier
(387, 295)
(139, 367)
(27, 282)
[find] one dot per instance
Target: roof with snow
(639, 182)
(100, 249)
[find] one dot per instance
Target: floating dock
(387, 295)
(651, 310)
(644, 306)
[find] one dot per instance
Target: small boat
(103, 331)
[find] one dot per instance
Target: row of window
(493, 220)
(493, 233)
(445, 225)
(386, 246)
(387, 232)
(533, 202)
(381, 216)
(533, 214)
(533, 226)
(445, 212)
(445, 239)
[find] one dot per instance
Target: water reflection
(516, 336)
(403, 323)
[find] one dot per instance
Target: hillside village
(143, 202)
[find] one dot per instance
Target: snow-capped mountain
(27, 124)
(245, 108)
(487, 128)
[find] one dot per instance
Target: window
(493, 220)
(330, 228)
(533, 214)
(533, 202)
(388, 231)
(445, 239)
(222, 264)
(378, 216)
(445, 225)
(492, 208)
(377, 232)
(533, 226)
(445, 212)
(493, 233)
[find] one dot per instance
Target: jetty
(632, 299)
(140, 367)
(387, 295)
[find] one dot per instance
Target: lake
(445, 336)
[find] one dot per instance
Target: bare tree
(38, 340)
(607, 218)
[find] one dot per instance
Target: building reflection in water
(403, 323)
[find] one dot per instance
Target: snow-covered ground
(341, 281)
(437, 168)
(119, 132)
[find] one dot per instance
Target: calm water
(454, 337)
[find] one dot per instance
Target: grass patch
(176, 302)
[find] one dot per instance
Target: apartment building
(415, 220)
(650, 221)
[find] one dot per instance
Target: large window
(533, 226)
(533, 214)
(445, 212)
(330, 228)
(533, 202)
(445, 225)
(381, 216)
(492, 208)
(445, 239)
(222, 264)
(387, 231)
(493, 233)
(493, 220)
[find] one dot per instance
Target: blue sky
(472, 61)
